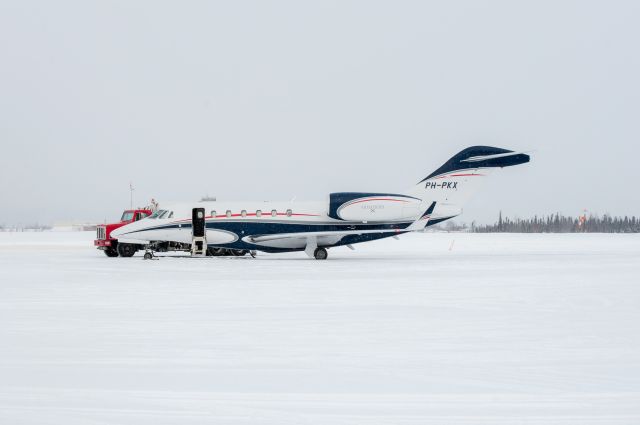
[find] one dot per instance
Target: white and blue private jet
(346, 218)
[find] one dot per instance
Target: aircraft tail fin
(451, 185)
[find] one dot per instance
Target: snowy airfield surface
(428, 329)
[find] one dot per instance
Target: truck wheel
(126, 249)
(110, 252)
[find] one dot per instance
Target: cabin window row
(243, 213)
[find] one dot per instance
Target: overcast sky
(271, 100)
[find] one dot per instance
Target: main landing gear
(225, 252)
(320, 254)
(313, 250)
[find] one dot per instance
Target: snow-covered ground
(428, 329)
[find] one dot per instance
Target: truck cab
(109, 245)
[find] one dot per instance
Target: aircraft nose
(127, 228)
(117, 232)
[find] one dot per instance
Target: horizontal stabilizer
(488, 157)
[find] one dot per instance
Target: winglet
(423, 220)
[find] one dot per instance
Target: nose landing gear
(148, 252)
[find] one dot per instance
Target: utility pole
(131, 195)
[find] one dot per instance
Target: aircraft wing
(304, 235)
(417, 225)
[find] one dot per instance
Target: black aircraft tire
(215, 252)
(320, 254)
(126, 249)
(111, 252)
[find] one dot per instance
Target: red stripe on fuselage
(377, 199)
(459, 175)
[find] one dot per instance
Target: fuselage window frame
(228, 214)
(289, 213)
(258, 213)
(274, 213)
(243, 213)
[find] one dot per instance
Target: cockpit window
(157, 214)
(170, 215)
(127, 215)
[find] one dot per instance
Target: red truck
(110, 246)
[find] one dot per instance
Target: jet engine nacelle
(372, 207)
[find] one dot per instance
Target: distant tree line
(556, 223)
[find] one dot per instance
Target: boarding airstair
(198, 233)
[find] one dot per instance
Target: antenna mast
(131, 195)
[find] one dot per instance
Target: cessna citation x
(346, 218)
